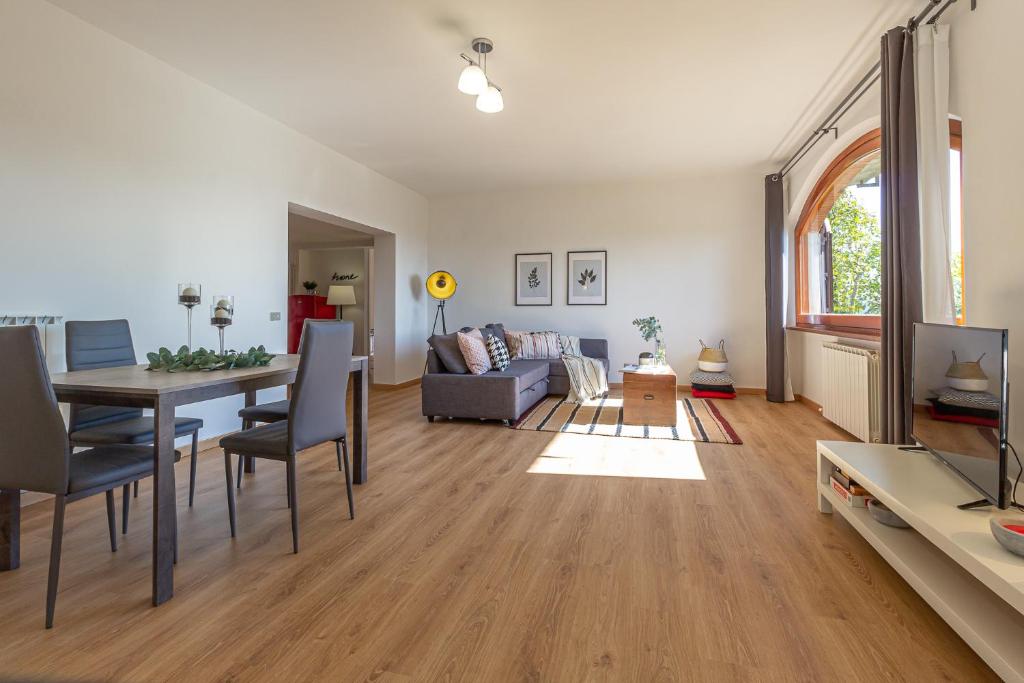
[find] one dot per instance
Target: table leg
(360, 413)
(250, 462)
(164, 502)
(10, 529)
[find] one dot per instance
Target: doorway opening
(326, 251)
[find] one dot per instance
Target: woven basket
(967, 375)
(712, 354)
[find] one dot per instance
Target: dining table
(137, 387)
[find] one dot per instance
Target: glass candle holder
(222, 312)
(189, 296)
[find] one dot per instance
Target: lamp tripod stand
(440, 313)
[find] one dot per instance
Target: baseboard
(33, 497)
(808, 402)
(396, 387)
(206, 444)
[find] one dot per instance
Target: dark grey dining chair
(267, 413)
(35, 452)
(91, 344)
(316, 415)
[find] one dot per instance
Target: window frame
(854, 324)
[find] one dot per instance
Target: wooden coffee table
(649, 396)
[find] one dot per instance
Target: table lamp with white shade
(341, 295)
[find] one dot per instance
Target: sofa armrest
(594, 348)
(483, 396)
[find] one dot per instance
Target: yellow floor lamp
(441, 285)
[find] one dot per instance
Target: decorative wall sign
(533, 279)
(344, 277)
(587, 278)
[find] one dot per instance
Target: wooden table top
(651, 370)
(137, 380)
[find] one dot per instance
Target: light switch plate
(275, 316)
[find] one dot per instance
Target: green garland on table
(202, 359)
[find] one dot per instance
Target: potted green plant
(650, 328)
(309, 286)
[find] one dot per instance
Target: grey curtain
(774, 287)
(901, 235)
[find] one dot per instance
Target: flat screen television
(960, 396)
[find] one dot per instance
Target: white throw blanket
(588, 378)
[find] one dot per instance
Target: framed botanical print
(533, 279)
(587, 274)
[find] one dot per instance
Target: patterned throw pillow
(967, 399)
(569, 346)
(539, 345)
(498, 352)
(710, 378)
(514, 341)
(474, 351)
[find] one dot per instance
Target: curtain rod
(858, 91)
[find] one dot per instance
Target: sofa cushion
(498, 352)
(533, 345)
(446, 346)
(529, 372)
(594, 348)
(498, 330)
(474, 351)
(557, 367)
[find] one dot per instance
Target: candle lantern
(222, 311)
(189, 296)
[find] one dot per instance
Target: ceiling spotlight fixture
(474, 81)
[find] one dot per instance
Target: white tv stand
(949, 556)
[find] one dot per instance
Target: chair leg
(55, 544)
(136, 494)
(337, 448)
(111, 522)
(342, 447)
(241, 465)
(192, 468)
(231, 490)
(295, 504)
(125, 498)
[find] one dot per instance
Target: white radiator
(852, 393)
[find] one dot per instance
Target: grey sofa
(449, 390)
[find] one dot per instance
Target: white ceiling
(594, 90)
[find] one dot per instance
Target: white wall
(687, 250)
(985, 91)
(120, 177)
(320, 265)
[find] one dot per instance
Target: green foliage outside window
(856, 257)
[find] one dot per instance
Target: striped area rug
(696, 420)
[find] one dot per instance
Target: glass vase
(659, 352)
(189, 296)
(222, 313)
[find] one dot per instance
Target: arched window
(838, 240)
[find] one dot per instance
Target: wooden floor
(482, 553)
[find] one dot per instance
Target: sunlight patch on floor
(602, 456)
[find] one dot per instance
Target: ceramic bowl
(884, 515)
(710, 366)
(968, 384)
(1011, 540)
